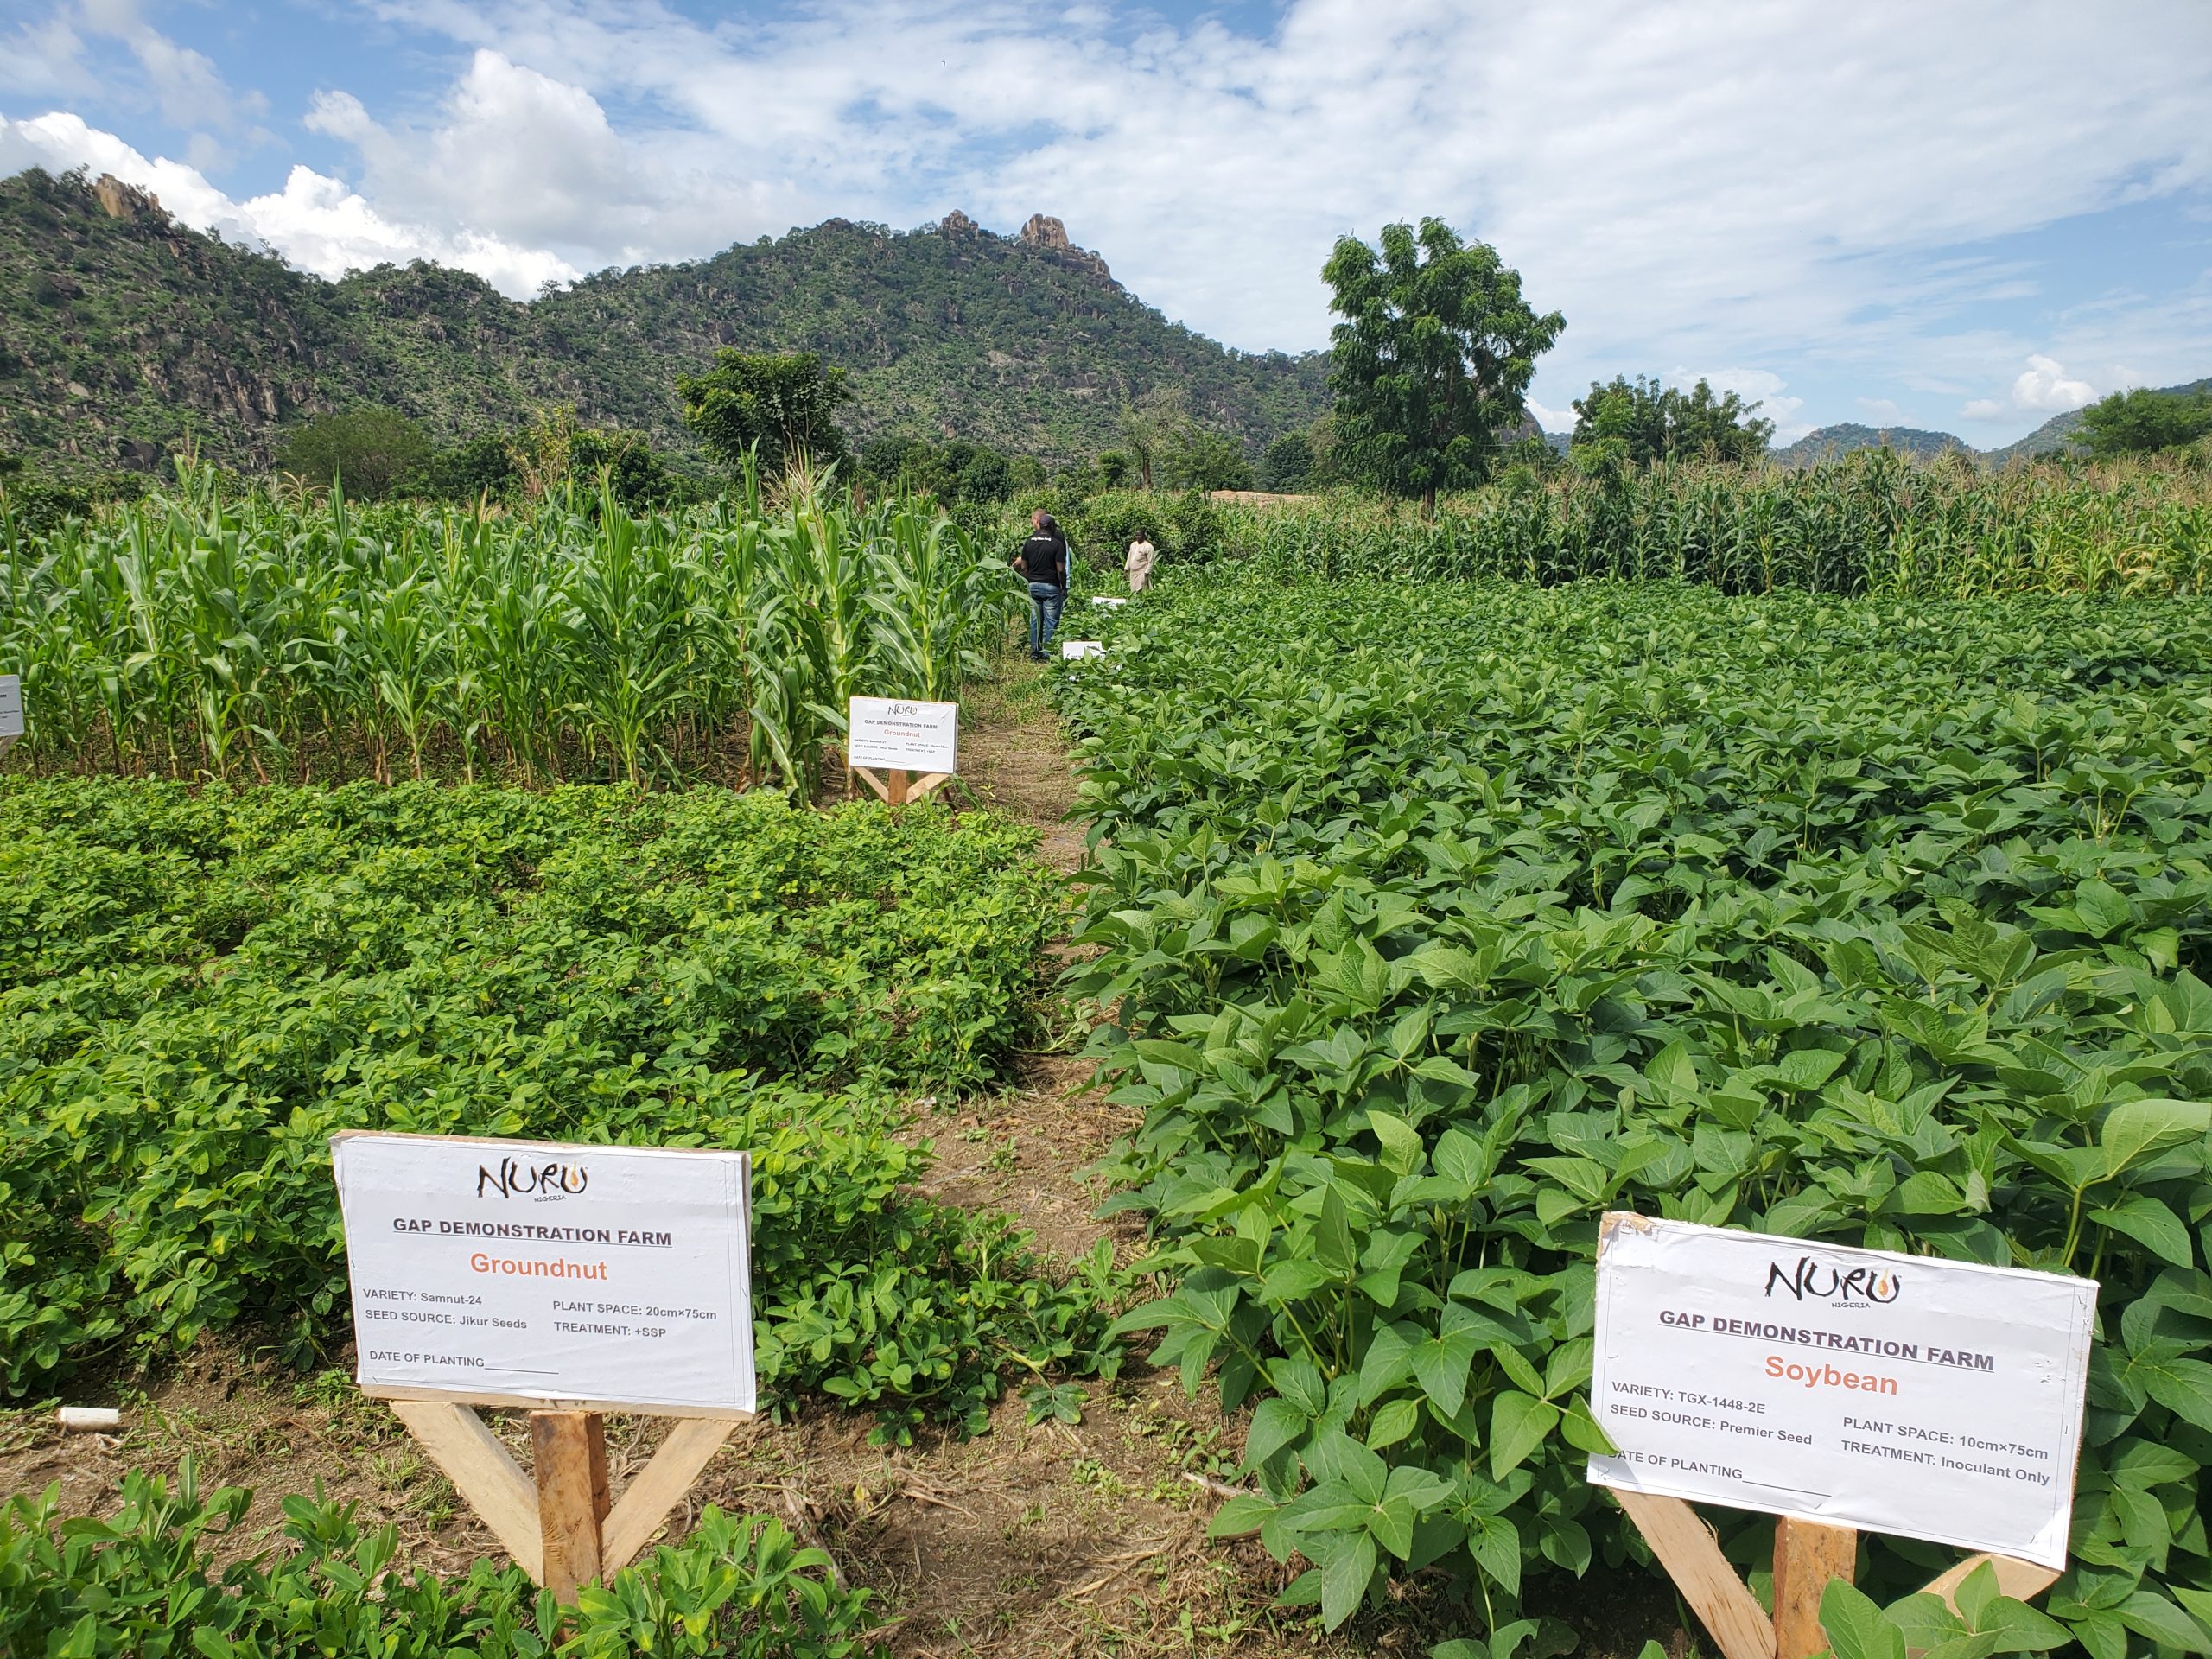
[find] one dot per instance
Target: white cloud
(45, 57)
(527, 158)
(61, 53)
(2043, 387)
(1552, 419)
(318, 222)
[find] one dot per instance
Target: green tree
(371, 447)
(1635, 423)
(1202, 459)
(1432, 359)
(638, 476)
(2142, 420)
(1150, 427)
(780, 406)
(467, 472)
(955, 471)
(882, 458)
(1289, 464)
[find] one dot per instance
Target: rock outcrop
(1047, 236)
(121, 200)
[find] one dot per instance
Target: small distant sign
(1107, 601)
(1899, 1394)
(496, 1270)
(898, 733)
(1076, 650)
(11, 711)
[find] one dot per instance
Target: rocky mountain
(123, 333)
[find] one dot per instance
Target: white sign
(1076, 650)
(1106, 602)
(896, 733)
(1899, 1394)
(517, 1268)
(11, 711)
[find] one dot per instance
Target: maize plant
(1873, 524)
(227, 637)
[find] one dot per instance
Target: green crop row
(198, 989)
(1441, 919)
(1874, 524)
(191, 635)
(146, 1584)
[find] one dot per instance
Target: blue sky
(1965, 216)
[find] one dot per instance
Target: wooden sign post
(1807, 1554)
(1837, 1389)
(562, 1527)
(566, 1280)
(897, 785)
(905, 751)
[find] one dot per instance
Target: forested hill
(1826, 443)
(121, 331)
(2054, 437)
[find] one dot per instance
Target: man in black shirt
(1044, 561)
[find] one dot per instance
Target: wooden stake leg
(562, 1528)
(1807, 1555)
(482, 1471)
(569, 1451)
(1691, 1554)
(900, 787)
(648, 1500)
(2015, 1578)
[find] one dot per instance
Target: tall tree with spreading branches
(1432, 359)
(777, 406)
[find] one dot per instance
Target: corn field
(1874, 523)
(194, 635)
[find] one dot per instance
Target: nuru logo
(514, 1180)
(1827, 1283)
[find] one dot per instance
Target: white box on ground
(1075, 649)
(1899, 1394)
(11, 711)
(494, 1270)
(899, 733)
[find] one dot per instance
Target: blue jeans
(1045, 603)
